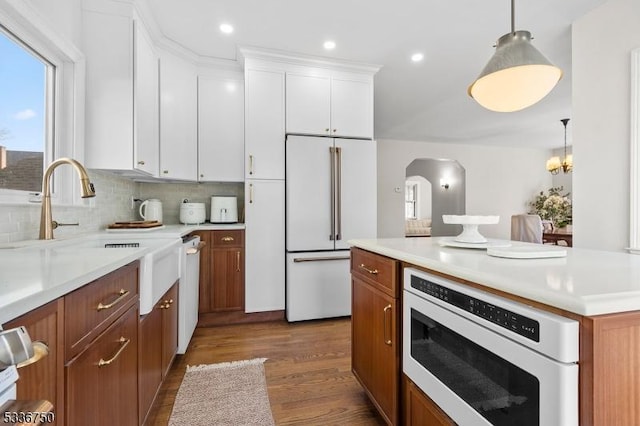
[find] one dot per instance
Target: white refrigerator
(330, 199)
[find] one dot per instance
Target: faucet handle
(55, 224)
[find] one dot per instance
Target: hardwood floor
(308, 370)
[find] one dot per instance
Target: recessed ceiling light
(226, 28)
(329, 45)
(417, 57)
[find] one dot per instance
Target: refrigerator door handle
(332, 152)
(339, 193)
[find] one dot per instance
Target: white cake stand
(470, 224)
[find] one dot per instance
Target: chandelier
(554, 164)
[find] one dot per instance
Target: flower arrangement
(553, 206)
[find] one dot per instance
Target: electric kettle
(151, 209)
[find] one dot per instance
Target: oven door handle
(387, 341)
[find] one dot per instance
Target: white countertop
(33, 273)
(585, 282)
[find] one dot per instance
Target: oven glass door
(499, 391)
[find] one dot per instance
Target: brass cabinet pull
(384, 314)
(166, 172)
(227, 239)
(371, 271)
(40, 350)
(326, 130)
(335, 130)
(123, 342)
(121, 295)
(250, 193)
(251, 164)
(141, 163)
(237, 261)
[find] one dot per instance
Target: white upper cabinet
(330, 105)
(178, 118)
(122, 111)
(220, 129)
(264, 125)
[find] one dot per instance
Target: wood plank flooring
(308, 370)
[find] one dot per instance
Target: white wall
(499, 180)
(602, 43)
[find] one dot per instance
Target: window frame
(64, 125)
(414, 201)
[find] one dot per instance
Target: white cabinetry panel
(308, 104)
(351, 108)
(220, 129)
(264, 126)
(265, 256)
(178, 118)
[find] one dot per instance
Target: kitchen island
(598, 290)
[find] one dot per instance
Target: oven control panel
(512, 321)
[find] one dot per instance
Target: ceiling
(424, 101)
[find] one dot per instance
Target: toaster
(192, 213)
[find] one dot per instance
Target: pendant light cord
(513, 17)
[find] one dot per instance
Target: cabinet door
(107, 41)
(351, 108)
(169, 328)
(419, 409)
(308, 104)
(375, 355)
(228, 280)
(178, 119)
(220, 129)
(264, 242)
(44, 379)
(264, 124)
(102, 381)
(205, 278)
(149, 359)
(146, 109)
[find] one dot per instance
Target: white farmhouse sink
(159, 261)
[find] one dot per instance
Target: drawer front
(90, 309)
(375, 268)
(230, 238)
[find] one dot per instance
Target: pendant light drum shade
(516, 77)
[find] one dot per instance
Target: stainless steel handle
(123, 342)
(250, 193)
(318, 259)
(121, 295)
(332, 212)
(369, 270)
(251, 164)
(237, 261)
(194, 250)
(339, 190)
(387, 341)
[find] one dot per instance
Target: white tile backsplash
(112, 203)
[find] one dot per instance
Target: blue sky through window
(22, 97)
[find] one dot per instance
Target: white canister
(192, 213)
(151, 210)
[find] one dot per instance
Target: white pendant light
(517, 75)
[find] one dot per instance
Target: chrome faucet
(86, 190)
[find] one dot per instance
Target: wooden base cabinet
(102, 381)
(222, 271)
(419, 409)
(44, 380)
(375, 318)
(157, 348)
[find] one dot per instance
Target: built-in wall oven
(488, 360)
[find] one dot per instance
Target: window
(25, 87)
(44, 100)
(411, 200)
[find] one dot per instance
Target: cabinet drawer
(383, 271)
(230, 238)
(90, 309)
